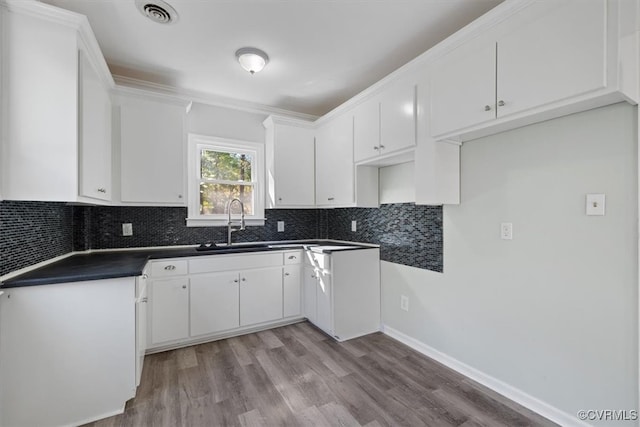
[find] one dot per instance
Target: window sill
(208, 222)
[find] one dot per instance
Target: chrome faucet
(230, 223)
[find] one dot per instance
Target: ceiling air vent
(158, 11)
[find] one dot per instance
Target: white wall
(554, 312)
(225, 123)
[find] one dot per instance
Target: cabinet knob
(179, 196)
(313, 276)
(102, 190)
(145, 299)
(243, 279)
(170, 267)
(235, 280)
(376, 148)
(381, 147)
(287, 274)
(487, 108)
(184, 286)
(279, 199)
(331, 198)
(501, 103)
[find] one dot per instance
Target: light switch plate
(353, 226)
(595, 204)
(127, 229)
(280, 226)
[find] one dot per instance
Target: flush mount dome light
(251, 59)
(158, 11)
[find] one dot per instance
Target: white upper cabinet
(463, 88)
(334, 163)
(366, 130)
(55, 115)
(398, 117)
(290, 163)
(152, 151)
(95, 134)
(386, 123)
(540, 61)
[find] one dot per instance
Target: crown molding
(282, 120)
(204, 98)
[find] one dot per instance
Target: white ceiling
(322, 52)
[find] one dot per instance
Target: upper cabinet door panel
(398, 117)
(366, 130)
(334, 163)
(463, 88)
(152, 152)
(559, 55)
(95, 134)
(294, 168)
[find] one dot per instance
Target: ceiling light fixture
(251, 59)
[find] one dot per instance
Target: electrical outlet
(127, 229)
(280, 226)
(404, 302)
(506, 231)
(353, 226)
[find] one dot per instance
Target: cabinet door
(215, 303)
(549, 60)
(260, 295)
(95, 134)
(398, 117)
(291, 290)
(152, 152)
(463, 88)
(366, 130)
(323, 304)
(141, 324)
(334, 163)
(169, 310)
(310, 283)
(294, 166)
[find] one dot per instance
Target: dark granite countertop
(129, 263)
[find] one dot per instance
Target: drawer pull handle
(184, 286)
(287, 274)
(235, 280)
(292, 257)
(170, 267)
(331, 198)
(487, 108)
(102, 190)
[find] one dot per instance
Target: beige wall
(554, 312)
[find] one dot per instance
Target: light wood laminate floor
(297, 376)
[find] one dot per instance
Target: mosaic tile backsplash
(31, 232)
(408, 234)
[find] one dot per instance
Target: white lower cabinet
(342, 292)
(215, 303)
(260, 296)
(68, 352)
(291, 290)
(169, 310)
(205, 297)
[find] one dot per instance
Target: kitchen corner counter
(109, 264)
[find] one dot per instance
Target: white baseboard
(536, 405)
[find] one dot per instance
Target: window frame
(196, 143)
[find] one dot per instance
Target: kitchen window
(221, 170)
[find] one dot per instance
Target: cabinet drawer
(168, 268)
(292, 257)
(215, 263)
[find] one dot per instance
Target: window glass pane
(215, 197)
(225, 166)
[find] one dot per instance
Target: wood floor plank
(298, 376)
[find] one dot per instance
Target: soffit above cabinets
(321, 53)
